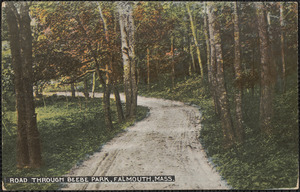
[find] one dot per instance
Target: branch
(80, 76)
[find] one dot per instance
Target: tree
(207, 45)
(128, 42)
(282, 45)
(220, 85)
(266, 83)
(195, 39)
(20, 37)
(238, 74)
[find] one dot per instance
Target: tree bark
(238, 74)
(94, 85)
(108, 86)
(128, 54)
(73, 90)
(148, 68)
(119, 105)
(282, 46)
(21, 42)
(172, 61)
(207, 46)
(214, 90)
(222, 93)
(86, 91)
(266, 110)
(14, 38)
(195, 39)
(193, 60)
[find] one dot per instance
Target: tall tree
(148, 68)
(282, 45)
(221, 89)
(266, 96)
(238, 74)
(108, 67)
(128, 53)
(207, 45)
(172, 61)
(195, 39)
(28, 141)
(214, 89)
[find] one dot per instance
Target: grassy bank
(258, 163)
(70, 131)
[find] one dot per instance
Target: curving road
(164, 143)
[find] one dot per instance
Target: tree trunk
(111, 78)
(266, 110)
(222, 93)
(21, 42)
(131, 38)
(193, 60)
(148, 68)
(36, 90)
(238, 74)
(282, 46)
(32, 131)
(86, 91)
(73, 90)
(214, 90)
(172, 61)
(128, 54)
(94, 85)
(119, 105)
(106, 87)
(207, 46)
(195, 39)
(14, 38)
(106, 106)
(191, 64)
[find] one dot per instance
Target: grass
(70, 131)
(258, 163)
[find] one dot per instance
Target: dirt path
(164, 143)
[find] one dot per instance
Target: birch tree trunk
(266, 110)
(238, 74)
(221, 89)
(128, 54)
(119, 105)
(108, 86)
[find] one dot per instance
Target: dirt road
(164, 143)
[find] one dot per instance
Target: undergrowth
(70, 131)
(258, 163)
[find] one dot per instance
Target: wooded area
(245, 55)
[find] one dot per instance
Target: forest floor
(164, 143)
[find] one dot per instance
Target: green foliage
(258, 163)
(7, 77)
(70, 130)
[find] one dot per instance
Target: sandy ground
(164, 143)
